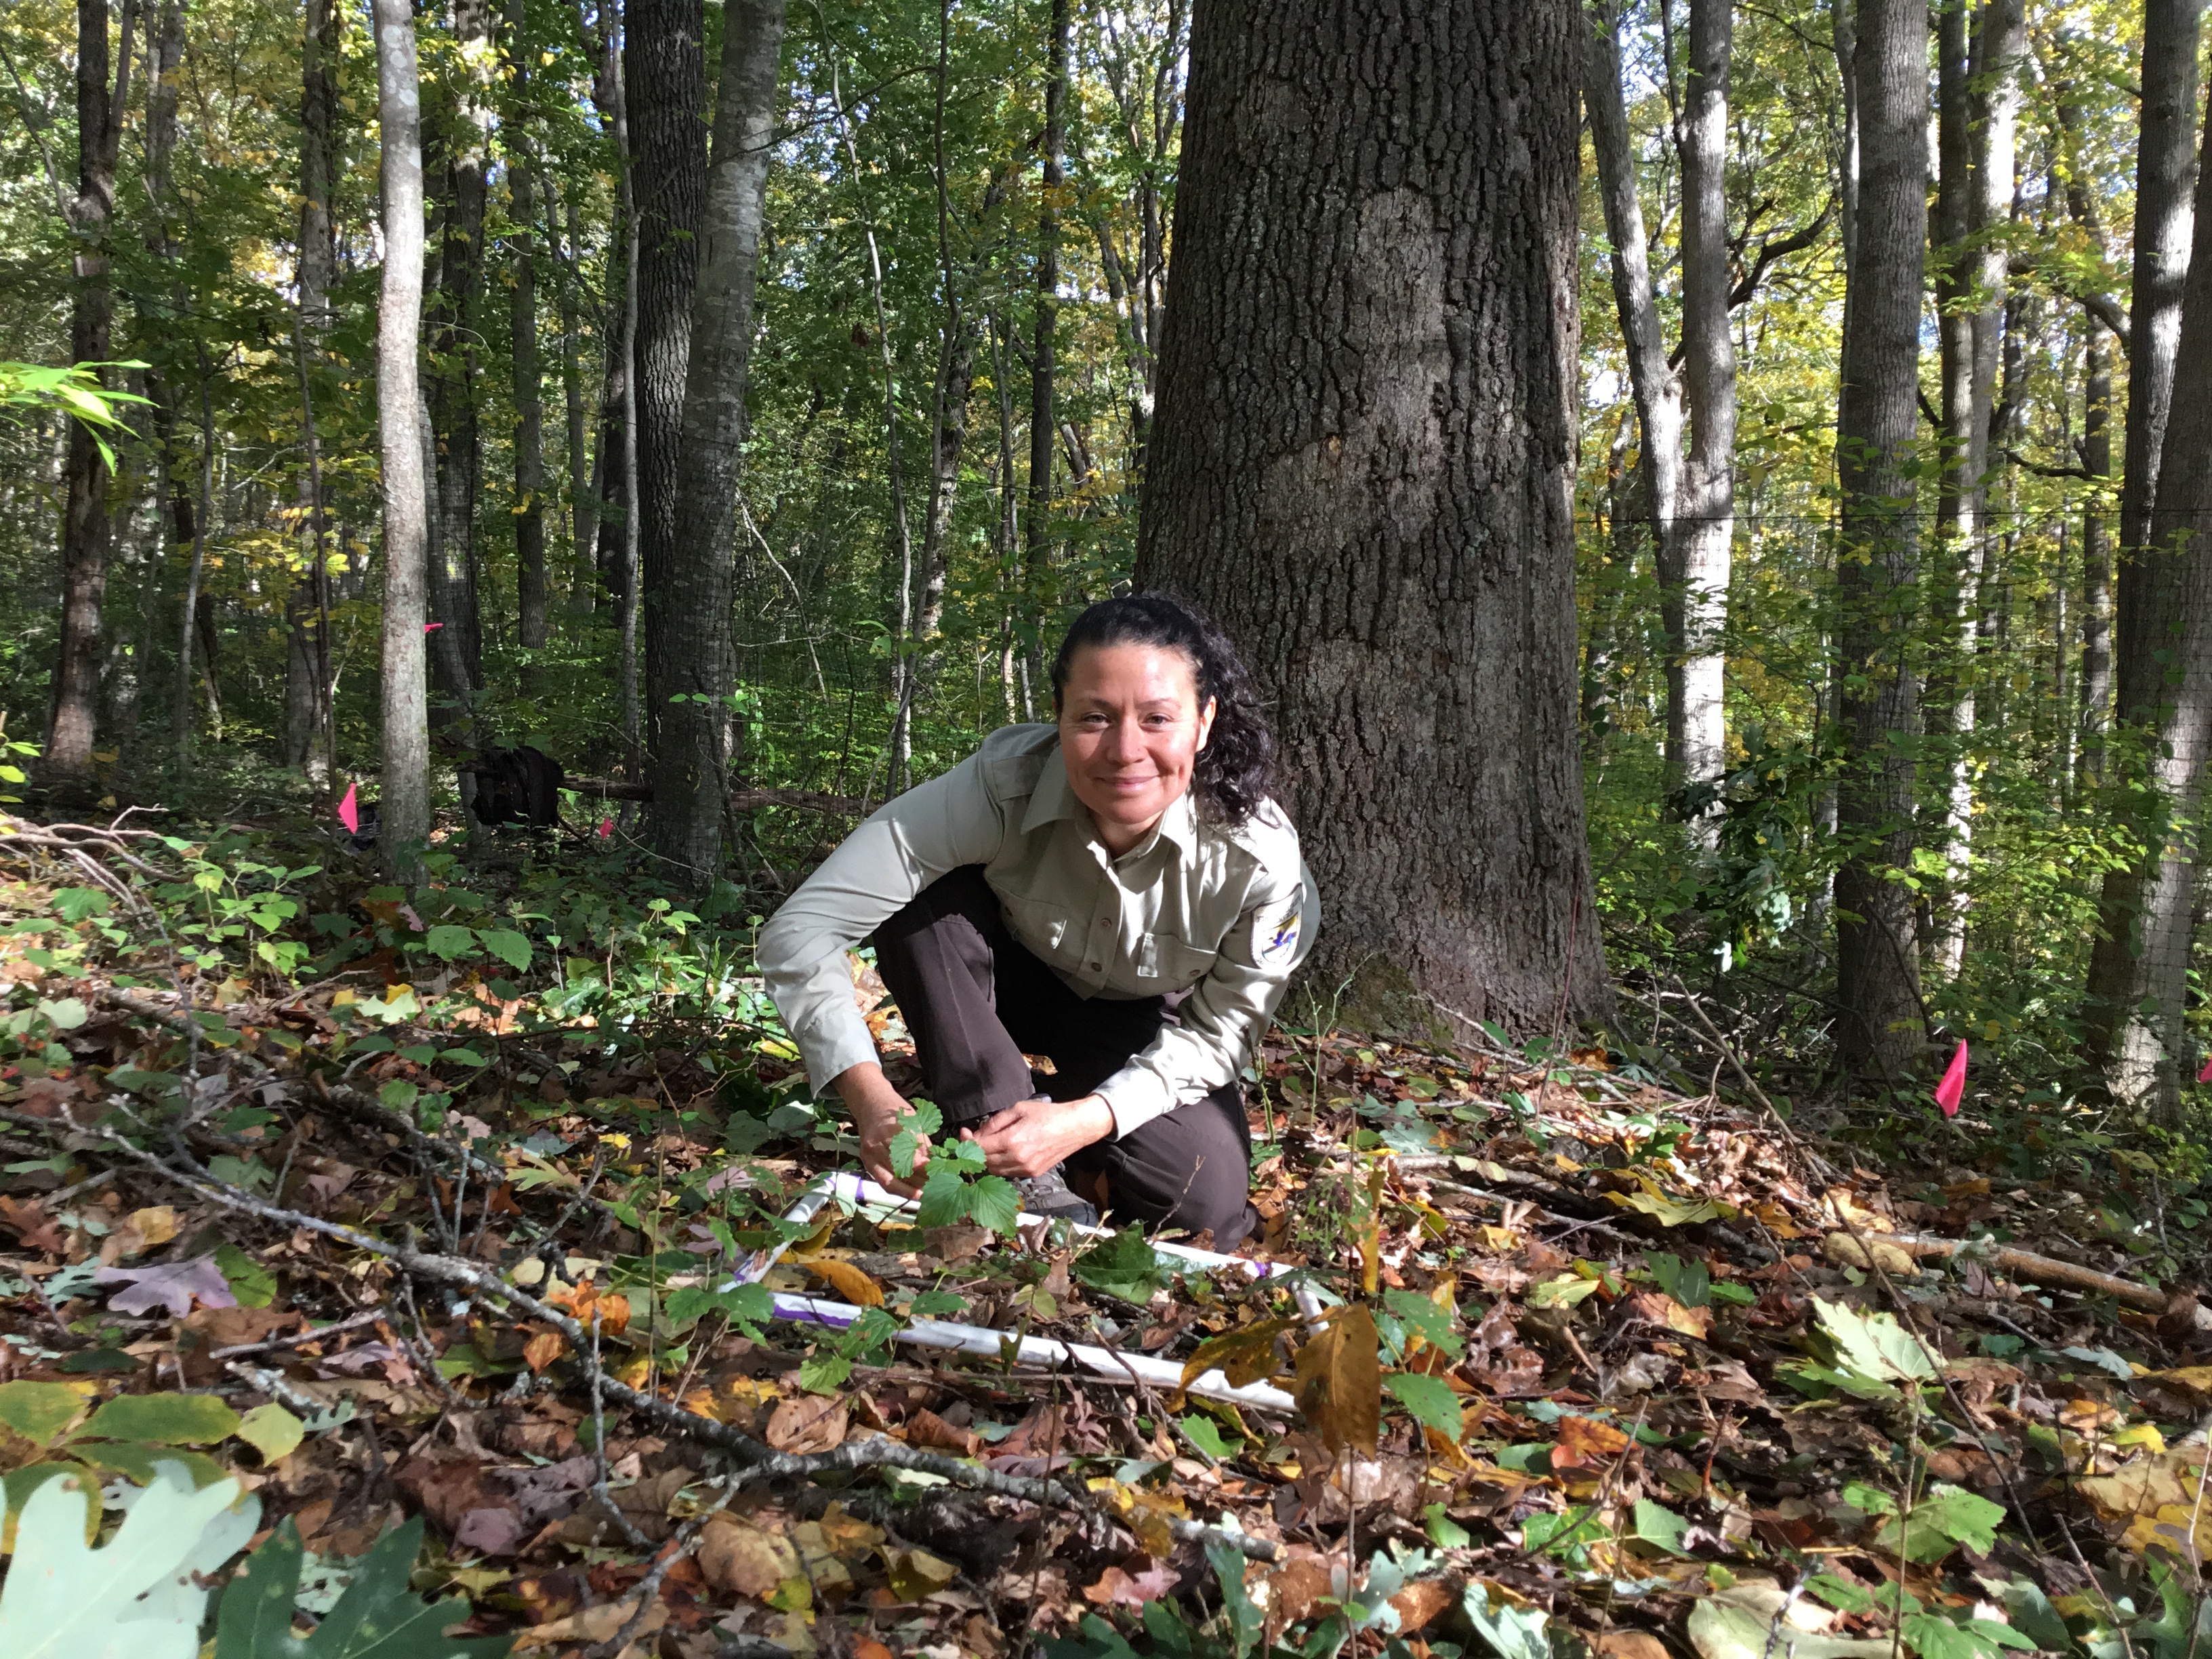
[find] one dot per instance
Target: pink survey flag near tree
(1953, 1083)
(2205, 1075)
(350, 811)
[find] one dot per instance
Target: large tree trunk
(1363, 465)
(691, 762)
(2122, 973)
(2165, 673)
(1652, 381)
(405, 825)
(534, 599)
(75, 715)
(1697, 728)
(1878, 979)
(665, 104)
(307, 606)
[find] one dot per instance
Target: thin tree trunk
(664, 106)
(75, 715)
(2096, 558)
(455, 556)
(1697, 725)
(1043, 363)
(1652, 381)
(1878, 979)
(1844, 37)
(691, 763)
(193, 622)
(307, 721)
(1363, 465)
(1005, 534)
(534, 599)
(632, 535)
(583, 500)
(405, 825)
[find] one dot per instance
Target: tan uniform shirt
(1226, 914)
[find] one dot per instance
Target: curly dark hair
(1236, 771)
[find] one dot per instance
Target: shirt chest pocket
(1175, 963)
(1046, 929)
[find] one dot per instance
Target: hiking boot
(1048, 1195)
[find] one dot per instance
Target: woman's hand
(877, 1108)
(1031, 1136)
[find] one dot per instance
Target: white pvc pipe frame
(944, 1334)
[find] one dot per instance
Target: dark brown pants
(976, 1000)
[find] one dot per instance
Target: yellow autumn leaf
(1340, 1382)
(849, 1281)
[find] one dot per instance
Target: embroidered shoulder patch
(1277, 940)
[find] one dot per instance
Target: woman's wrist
(1096, 1117)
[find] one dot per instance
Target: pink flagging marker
(350, 811)
(606, 827)
(1953, 1083)
(2205, 1076)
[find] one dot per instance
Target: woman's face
(1130, 730)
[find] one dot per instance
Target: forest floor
(1571, 1356)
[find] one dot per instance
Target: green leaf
(824, 1373)
(39, 1411)
(272, 1431)
(1431, 1319)
(1246, 1621)
(1932, 1635)
(1948, 1517)
(743, 1305)
(995, 1202)
(1688, 1282)
(1874, 1345)
(1511, 1633)
(509, 946)
(66, 1012)
(1206, 1436)
(1123, 1266)
(135, 1599)
(165, 1420)
(378, 1617)
(253, 1285)
(937, 1304)
(944, 1199)
(1657, 1525)
(1428, 1400)
(446, 941)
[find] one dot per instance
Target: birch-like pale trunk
(405, 825)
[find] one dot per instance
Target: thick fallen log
(741, 800)
(2041, 1270)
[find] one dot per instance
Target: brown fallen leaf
(1418, 1603)
(1583, 1441)
(745, 1559)
(925, 1427)
(1630, 1645)
(807, 1423)
(1117, 1588)
(593, 1625)
(543, 1349)
(1339, 1382)
(1846, 1251)
(1293, 1591)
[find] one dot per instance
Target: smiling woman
(1117, 891)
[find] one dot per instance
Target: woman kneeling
(1116, 892)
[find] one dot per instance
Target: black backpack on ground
(518, 785)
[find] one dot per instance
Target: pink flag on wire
(1953, 1083)
(606, 827)
(350, 811)
(432, 628)
(2205, 1076)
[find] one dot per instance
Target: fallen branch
(739, 801)
(2042, 1269)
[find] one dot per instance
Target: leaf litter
(1584, 1358)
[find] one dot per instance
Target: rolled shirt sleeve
(1219, 1023)
(929, 831)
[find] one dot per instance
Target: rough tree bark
(455, 556)
(1362, 464)
(75, 714)
(2125, 967)
(533, 601)
(665, 104)
(1882, 1031)
(307, 606)
(404, 824)
(691, 762)
(1697, 728)
(2096, 560)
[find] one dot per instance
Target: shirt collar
(1054, 799)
